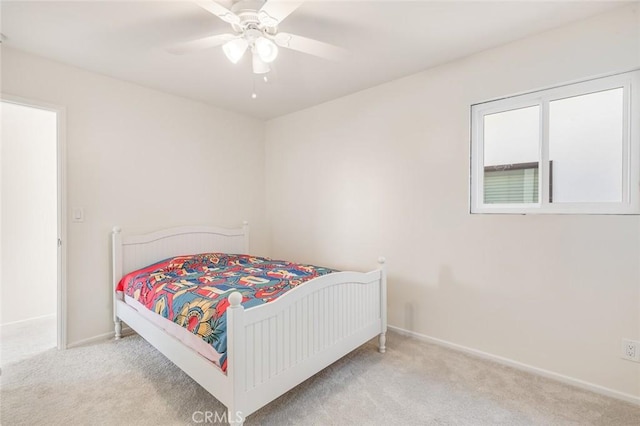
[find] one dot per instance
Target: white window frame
(630, 204)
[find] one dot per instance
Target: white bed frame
(272, 347)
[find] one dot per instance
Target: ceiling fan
(255, 28)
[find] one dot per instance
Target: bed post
(116, 247)
(236, 358)
(382, 339)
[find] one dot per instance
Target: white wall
(143, 160)
(29, 217)
(386, 171)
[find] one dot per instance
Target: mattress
(187, 295)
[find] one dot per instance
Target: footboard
(274, 347)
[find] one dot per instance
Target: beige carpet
(128, 382)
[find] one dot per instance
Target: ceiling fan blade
(220, 11)
(200, 44)
(274, 11)
(310, 46)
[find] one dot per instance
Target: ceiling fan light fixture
(259, 66)
(234, 49)
(255, 28)
(267, 50)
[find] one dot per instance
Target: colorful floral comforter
(192, 290)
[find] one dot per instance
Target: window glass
(586, 147)
(511, 156)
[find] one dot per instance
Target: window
(570, 149)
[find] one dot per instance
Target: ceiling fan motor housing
(250, 17)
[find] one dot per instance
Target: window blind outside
(516, 185)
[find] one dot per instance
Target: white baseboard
(126, 331)
(99, 338)
(41, 317)
(523, 367)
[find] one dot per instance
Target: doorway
(32, 315)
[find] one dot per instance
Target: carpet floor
(27, 339)
(127, 382)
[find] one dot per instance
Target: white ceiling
(387, 40)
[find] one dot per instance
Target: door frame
(61, 171)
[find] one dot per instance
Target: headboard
(131, 252)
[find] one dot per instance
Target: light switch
(78, 214)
